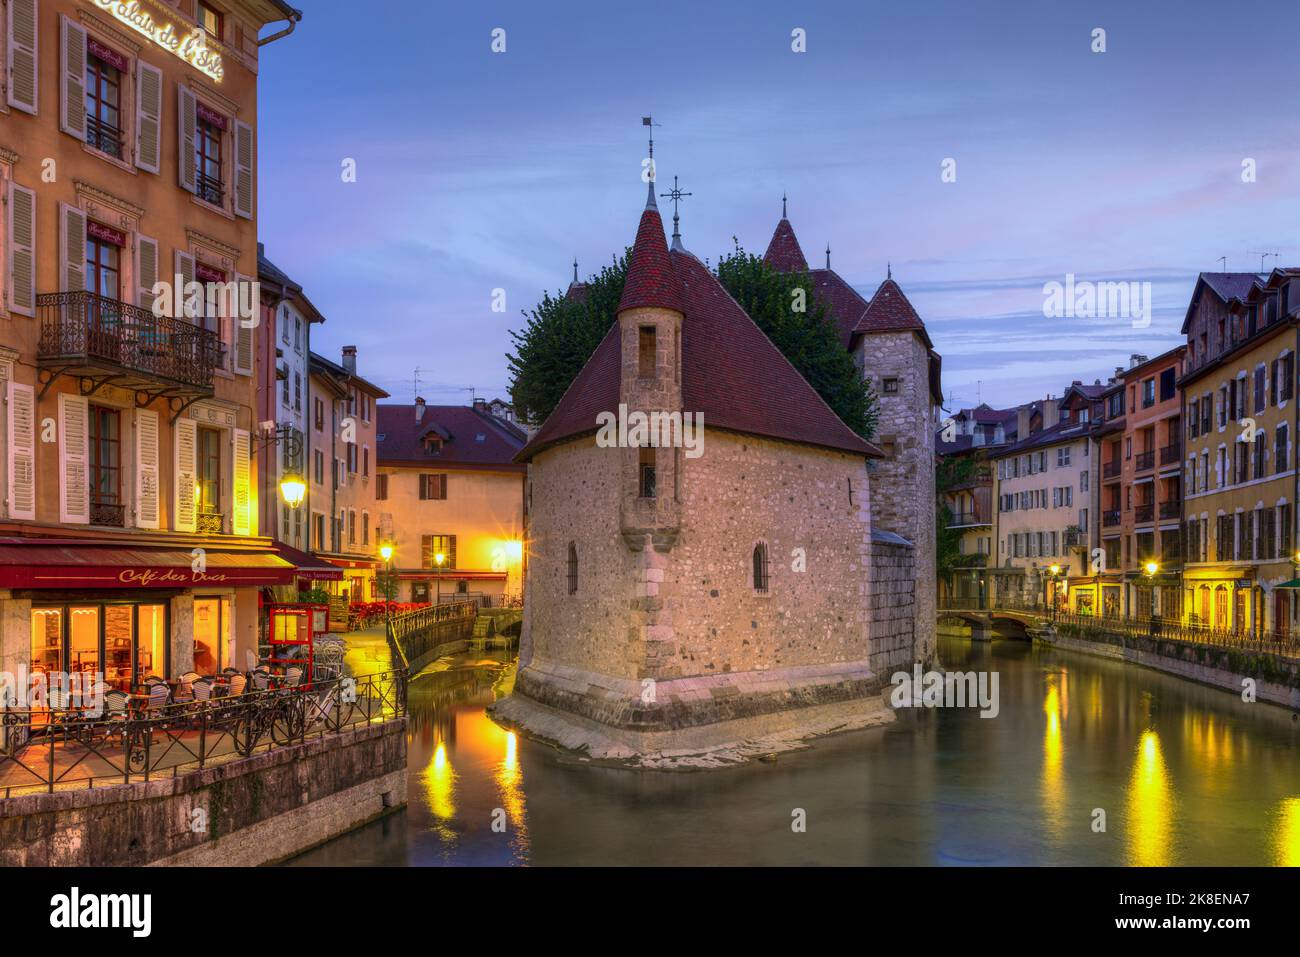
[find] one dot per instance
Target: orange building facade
(129, 538)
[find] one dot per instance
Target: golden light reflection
(1150, 806)
(1286, 840)
(1052, 779)
(440, 790)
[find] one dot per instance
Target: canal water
(1185, 775)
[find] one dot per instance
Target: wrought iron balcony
(108, 513)
(210, 523)
(1143, 513)
(1170, 454)
(1145, 461)
(1171, 509)
(112, 342)
(1110, 469)
(1110, 518)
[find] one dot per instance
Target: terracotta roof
(890, 311)
(401, 439)
(731, 371)
(783, 252)
(1226, 285)
(577, 292)
(844, 303)
(650, 279)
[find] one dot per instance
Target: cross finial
(675, 194)
(783, 216)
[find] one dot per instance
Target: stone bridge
(989, 623)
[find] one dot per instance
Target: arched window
(573, 569)
(761, 569)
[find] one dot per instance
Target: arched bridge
(987, 623)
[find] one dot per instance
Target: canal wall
(1276, 680)
(248, 812)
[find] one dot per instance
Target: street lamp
(293, 489)
(1055, 569)
(386, 553)
(439, 559)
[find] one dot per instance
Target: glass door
(119, 634)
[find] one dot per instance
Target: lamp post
(1056, 573)
(439, 559)
(386, 553)
(1151, 568)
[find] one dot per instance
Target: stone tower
(892, 348)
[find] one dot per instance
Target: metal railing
(1144, 513)
(1171, 453)
(1110, 517)
(1171, 509)
(1284, 644)
(1110, 469)
(58, 750)
(1145, 460)
(420, 632)
(81, 326)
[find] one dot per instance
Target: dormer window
(432, 444)
(646, 339)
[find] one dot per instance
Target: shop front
(128, 613)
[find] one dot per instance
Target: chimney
(350, 359)
(480, 405)
(1022, 423)
(1051, 412)
(1135, 360)
(419, 409)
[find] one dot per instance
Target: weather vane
(675, 194)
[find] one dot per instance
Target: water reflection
(1186, 774)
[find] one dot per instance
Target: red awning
(309, 566)
(450, 574)
(342, 562)
(51, 563)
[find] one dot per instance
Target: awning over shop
(68, 563)
(339, 561)
(309, 566)
(429, 574)
(1293, 583)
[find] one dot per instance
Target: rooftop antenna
(1223, 262)
(675, 194)
(415, 384)
(650, 200)
(1262, 257)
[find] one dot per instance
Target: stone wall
(259, 810)
(683, 616)
(902, 484)
(892, 589)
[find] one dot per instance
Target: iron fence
(49, 751)
(419, 632)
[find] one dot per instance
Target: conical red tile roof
(650, 280)
(783, 252)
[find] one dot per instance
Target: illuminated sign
(189, 44)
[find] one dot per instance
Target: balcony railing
(1110, 518)
(108, 513)
(104, 137)
(210, 523)
(1110, 469)
(1143, 513)
(81, 329)
(1145, 460)
(1172, 509)
(967, 518)
(1170, 454)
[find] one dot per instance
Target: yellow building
(1239, 402)
(448, 486)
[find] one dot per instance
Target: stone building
(683, 595)
(892, 348)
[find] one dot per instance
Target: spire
(828, 255)
(889, 271)
(650, 169)
(676, 194)
(651, 281)
(783, 215)
(575, 269)
(783, 252)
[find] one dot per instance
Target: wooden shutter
(22, 249)
(22, 452)
(72, 78)
(243, 170)
(185, 508)
(146, 270)
(72, 249)
(184, 266)
(241, 332)
(148, 117)
(241, 483)
(186, 122)
(23, 56)
(146, 468)
(74, 459)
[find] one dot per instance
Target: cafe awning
(309, 566)
(84, 564)
(1293, 583)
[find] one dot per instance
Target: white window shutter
(243, 170)
(23, 63)
(72, 78)
(74, 464)
(184, 266)
(72, 249)
(146, 468)
(148, 117)
(241, 333)
(241, 483)
(22, 250)
(22, 452)
(187, 119)
(146, 270)
(185, 508)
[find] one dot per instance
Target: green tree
(560, 335)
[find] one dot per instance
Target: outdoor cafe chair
(237, 684)
(202, 689)
(292, 676)
(261, 679)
